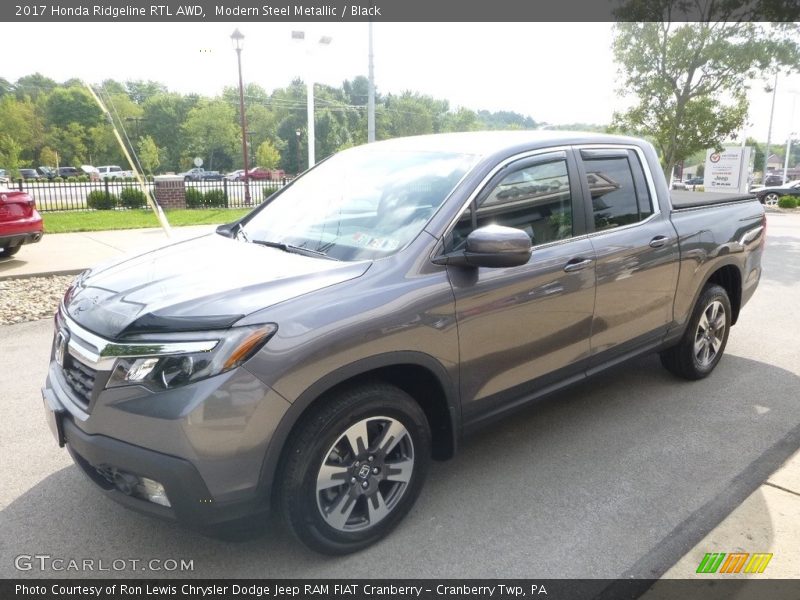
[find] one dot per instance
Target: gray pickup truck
(313, 357)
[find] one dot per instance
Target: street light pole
(237, 38)
(371, 92)
(769, 132)
(789, 139)
(298, 151)
(323, 41)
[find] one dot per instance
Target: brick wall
(170, 191)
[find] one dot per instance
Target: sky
(556, 73)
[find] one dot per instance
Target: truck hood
(205, 283)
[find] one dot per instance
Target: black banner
(395, 11)
(710, 588)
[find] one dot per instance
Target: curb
(43, 274)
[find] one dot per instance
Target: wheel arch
(420, 375)
(729, 277)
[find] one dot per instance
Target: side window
(535, 199)
(618, 189)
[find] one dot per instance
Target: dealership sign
(729, 170)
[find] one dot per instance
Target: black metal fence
(77, 195)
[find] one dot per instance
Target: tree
(149, 155)
(48, 157)
(72, 105)
(163, 118)
(689, 79)
(9, 154)
(267, 155)
(211, 132)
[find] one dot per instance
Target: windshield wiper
(293, 249)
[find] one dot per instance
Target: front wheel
(701, 347)
(771, 199)
(354, 467)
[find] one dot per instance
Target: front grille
(80, 379)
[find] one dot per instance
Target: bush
(58, 179)
(99, 200)
(787, 202)
(130, 197)
(194, 198)
(83, 179)
(215, 199)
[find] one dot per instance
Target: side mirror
(492, 246)
(228, 229)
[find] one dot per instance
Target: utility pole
(237, 38)
(769, 133)
(371, 92)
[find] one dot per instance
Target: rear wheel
(701, 347)
(354, 468)
(10, 251)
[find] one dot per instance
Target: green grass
(102, 220)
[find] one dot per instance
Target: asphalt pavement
(622, 476)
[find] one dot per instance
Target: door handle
(577, 264)
(658, 241)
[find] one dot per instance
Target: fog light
(152, 491)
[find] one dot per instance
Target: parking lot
(617, 477)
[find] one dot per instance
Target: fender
(361, 367)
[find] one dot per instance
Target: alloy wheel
(710, 334)
(365, 474)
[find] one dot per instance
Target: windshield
(362, 203)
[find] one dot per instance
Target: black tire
(10, 251)
(703, 343)
(376, 486)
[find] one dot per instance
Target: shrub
(99, 200)
(787, 202)
(58, 179)
(215, 198)
(72, 179)
(194, 198)
(130, 197)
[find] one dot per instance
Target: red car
(20, 222)
(266, 174)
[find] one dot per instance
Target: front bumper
(204, 443)
(191, 502)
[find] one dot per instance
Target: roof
(484, 143)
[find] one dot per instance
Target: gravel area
(31, 298)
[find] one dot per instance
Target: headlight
(164, 364)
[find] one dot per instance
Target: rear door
(521, 328)
(636, 250)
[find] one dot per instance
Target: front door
(521, 328)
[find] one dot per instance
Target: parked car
(91, 172)
(29, 174)
(694, 181)
(65, 172)
(48, 172)
(4, 178)
(773, 180)
(200, 174)
(312, 357)
(20, 222)
(260, 173)
(113, 172)
(771, 194)
(235, 175)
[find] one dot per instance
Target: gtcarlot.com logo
(46, 562)
(734, 562)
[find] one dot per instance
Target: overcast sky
(557, 73)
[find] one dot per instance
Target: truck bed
(686, 199)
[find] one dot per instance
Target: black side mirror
(228, 229)
(491, 246)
